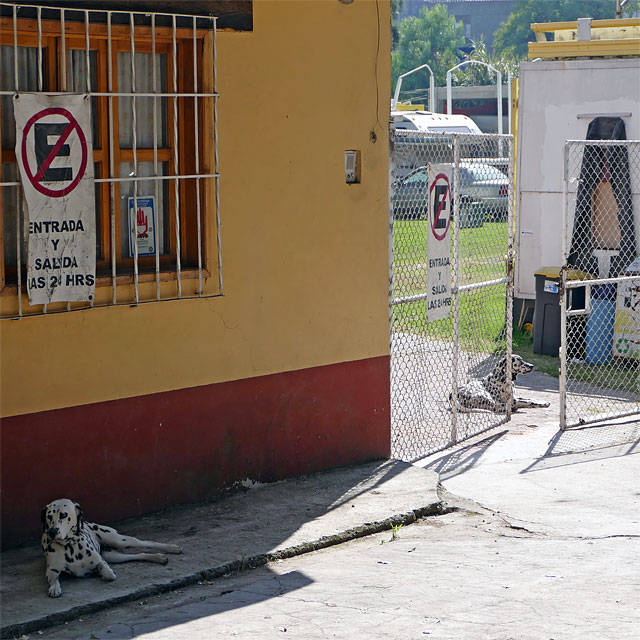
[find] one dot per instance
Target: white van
(433, 122)
(413, 152)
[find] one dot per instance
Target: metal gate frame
(458, 427)
(573, 392)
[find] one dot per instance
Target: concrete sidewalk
(556, 555)
(560, 508)
(242, 530)
(583, 482)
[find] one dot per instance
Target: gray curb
(237, 566)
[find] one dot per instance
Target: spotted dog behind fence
(494, 392)
(74, 546)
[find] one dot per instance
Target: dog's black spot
(55, 570)
(49, 548)
(68, 559)
(94, 527)
(104, 530)
(79, 556)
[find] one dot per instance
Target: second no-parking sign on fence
(55, 157)
(439, 242)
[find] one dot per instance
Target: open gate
(600, 278)
(451, 219)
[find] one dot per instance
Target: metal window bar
(129, 94)
(216, 169)
(197, 154)
(19, 187)
(134, 123)
(156, 183)
(112, 166)
(175, 154)
(63, 55)
(40, 78)
(197, 95)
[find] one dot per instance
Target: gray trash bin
(546, 319)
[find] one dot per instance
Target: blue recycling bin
(600, 324)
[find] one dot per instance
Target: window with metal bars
(151, 80)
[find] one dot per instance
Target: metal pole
(392, 158)
(499, 81)
(432, 93)
(509, 105)
(563, 294)
(455, 295)
(396, 95)
(510, 275)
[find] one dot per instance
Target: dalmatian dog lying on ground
(73, 546)
(494, 391)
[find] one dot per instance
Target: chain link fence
(440, 343)
(600, 307)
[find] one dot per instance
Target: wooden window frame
(51, 43)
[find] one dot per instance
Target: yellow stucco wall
(305, 256)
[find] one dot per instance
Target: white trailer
(557, 101)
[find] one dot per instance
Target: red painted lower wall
(133, 456)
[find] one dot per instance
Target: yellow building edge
(595, 24)
(585, 48)
(305, 255)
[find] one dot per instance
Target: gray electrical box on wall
(352, 166)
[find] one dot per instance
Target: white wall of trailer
(557, 101)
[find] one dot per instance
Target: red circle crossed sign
(36, 178)
(436, 214)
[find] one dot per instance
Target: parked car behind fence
(483, 195)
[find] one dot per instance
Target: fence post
(563, 292)
(510, 273)
(455, 296)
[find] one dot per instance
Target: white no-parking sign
(55, 157)
(439, 242)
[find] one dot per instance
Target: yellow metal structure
(607, 38)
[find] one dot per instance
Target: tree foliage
(475, 74)
(512, 36)
(433, 38)
(396, 10)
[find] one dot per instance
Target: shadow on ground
(238, 532)
(602, 441)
